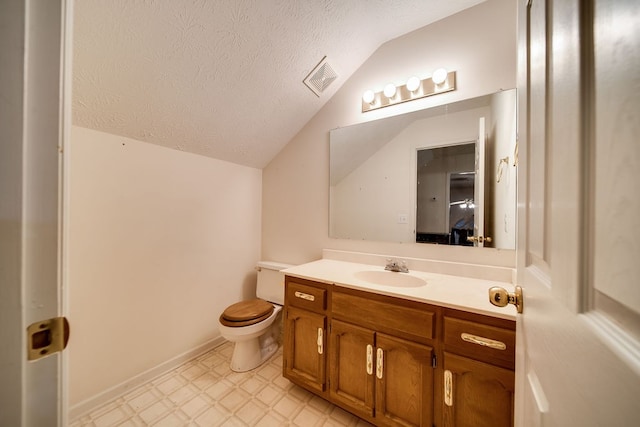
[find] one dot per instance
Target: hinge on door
(434, 361)
(47, 337)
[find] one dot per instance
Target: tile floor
(205, 392)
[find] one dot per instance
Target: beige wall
(161, 241)
(479, 44)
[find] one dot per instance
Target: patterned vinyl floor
(205, 392)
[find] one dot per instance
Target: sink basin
(390, 278)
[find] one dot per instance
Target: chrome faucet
(396, 266)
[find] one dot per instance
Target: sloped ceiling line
(223, 78)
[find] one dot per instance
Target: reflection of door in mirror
(461, 207)
(479, 228)
(436, 168)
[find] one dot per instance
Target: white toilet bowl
(255, 343)
(254, 325)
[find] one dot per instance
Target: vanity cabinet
(351, 367)
(479, 376)
(380, 377)
(380, 360)
(305, 326)
(398, 362)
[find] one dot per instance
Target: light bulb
(439, 76)
(413, 84)
(368, 96)
(389, 90)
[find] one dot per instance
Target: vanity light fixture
(440, 82)
(413, 83)
(368, 97)
(390, 90)
(439, 76)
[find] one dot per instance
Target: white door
(478, 188)
(34, 120)
(578, 349)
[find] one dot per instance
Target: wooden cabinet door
(404, 382)
(477, 394)
(304, 348)
(352, 367)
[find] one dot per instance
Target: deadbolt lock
(47, 337)
(499, 297)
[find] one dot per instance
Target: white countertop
(457, 292)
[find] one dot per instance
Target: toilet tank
(270, 285)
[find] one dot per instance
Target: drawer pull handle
(379, 363)
(302, 295)
(448, 388)
(320, 341)
(485, 342)
(369, 359)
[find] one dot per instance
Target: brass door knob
(499, 297)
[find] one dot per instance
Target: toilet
(254, 325)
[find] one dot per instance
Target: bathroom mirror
(374, 173)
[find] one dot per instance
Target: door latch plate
(47, 337)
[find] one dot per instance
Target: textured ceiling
(223, 78)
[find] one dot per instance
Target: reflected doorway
(461, 207)
(445, 194)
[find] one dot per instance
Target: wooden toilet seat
(245, 313)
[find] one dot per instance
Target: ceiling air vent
(320, 77)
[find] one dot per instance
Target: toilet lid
(246, 313)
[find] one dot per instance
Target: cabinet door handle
(485, 342)
(369, 359)
(379, 363)
(448, 388)
(320, 341)
(304, 296)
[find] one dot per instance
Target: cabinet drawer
(384, 315)
(481, 342)
(304, 296)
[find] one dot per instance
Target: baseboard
(118, 390)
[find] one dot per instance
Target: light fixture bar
(426, 87)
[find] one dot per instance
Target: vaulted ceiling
(224, 78)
